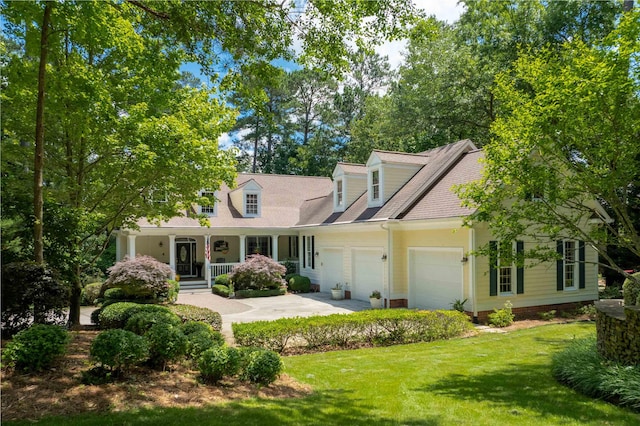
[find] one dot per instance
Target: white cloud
(224, 141)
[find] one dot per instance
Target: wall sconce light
(160, 244)
(317, 254)
(465, 259)
(384, 257)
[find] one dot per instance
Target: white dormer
(247, 199)
(349, 183)
(210, 208)
(387, 172)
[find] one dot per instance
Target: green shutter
(520, 270)
(304, 251)
(560, 266)
(313, 252)
(493, 268)
(581, 265)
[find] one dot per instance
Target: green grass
(486, 380)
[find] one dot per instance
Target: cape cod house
(392, 225)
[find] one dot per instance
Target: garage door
(368, 272)
(332, 269)
(435, 277)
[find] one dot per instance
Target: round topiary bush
(197, 313)
(139, 323)
(218, 362)
(222, 279)
(631, 290)
(258, 273)
(90, 293)
(119, 349)
(167, 343)
(299, 284)
(263, 367)
(200, 341)
(115, 293)
(141, 277)
(36, 348)
(117, 314)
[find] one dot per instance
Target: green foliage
(218, 362)
(117, 314)
(142, 277)
(547, 316)
(115, 294)
(583, 369)
(31, 293)
(36, 348)
(119, 349)
(502, 317)
(245, 294)
(338, 331)
(90, 293)
(197, 313)
(291, 269)
(263, 367)
(610, 292)
(458, 305)
(589, 310)
(222, 279)
(631, 290)
(167, 343)
(257, 273)
(200, 337)
(299, 284)
(141, 322)
(220, 290)
(173, 291)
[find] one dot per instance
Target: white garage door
(368, 272)
(332, 269)
(435, 277)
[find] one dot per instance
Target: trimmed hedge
(196, 313)
(222, 279)
(36, 348)
(220, 290)
(246, 294)
(90, 293)
(299, 284)
(338, 331)
(117, 314)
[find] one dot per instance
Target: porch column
(172, 252)
(243, 250)
(274, 247)
(118, 248)
(207, 259)
(131, 246)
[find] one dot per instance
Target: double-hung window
(375, 185)
(570, 265)
(506, 272)
(339, 193)
(209, 208)
(251, 204)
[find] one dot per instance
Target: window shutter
(304, 252)
(520, 270)
(493, 268)
(581, 266)
(313, 252)
(560, 266)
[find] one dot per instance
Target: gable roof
(427, 195)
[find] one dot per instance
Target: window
(339, 193)
(570, 265)
(210, 208)
(251, 204)
(259, 245)
(506, 270)
(308, 247)
(375, 185)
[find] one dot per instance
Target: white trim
(339, 201)
(258, 203)
(375, 202)
(576, 265)
(214, 195)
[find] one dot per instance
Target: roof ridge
(417, 154)
(282, 175)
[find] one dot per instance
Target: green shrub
(220, 290)
(173, 291)
(222, 279)
(580, 367)
(141, 277)
(197, 313)
(502, 317)
(36, 348)
(291, 268)
(200, 337)
(31, 293)
(258, 273)
(631, 290)
(610, 292)
(547, 316)
(589, 310)
(246, 294)
(90, 293)
(289, 276)
(139, 323)
(218, 362)
(167, 343)
(299, 284)
(458, 305)
(117, 314)
(372, 327)
(115, 293)
(119, 349)
(263, 367)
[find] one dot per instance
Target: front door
(185, 255)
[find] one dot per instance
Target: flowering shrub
(258, 273)
(141, 277)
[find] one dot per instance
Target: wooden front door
(185, 256)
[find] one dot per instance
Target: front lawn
(489, 379)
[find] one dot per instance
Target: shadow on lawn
(527, 387)
(319, 409)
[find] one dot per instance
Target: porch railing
(225, 268)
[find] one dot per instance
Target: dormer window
(338, 195)
(251, 206)
(376, 190)
(375, 185)
(209, 208)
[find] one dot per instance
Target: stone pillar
(131, 246)
(243, 247)
(274, 247)
(172, 253)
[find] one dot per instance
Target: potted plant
(199, 264)
(375, 299)
(336, 292)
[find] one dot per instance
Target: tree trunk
(74, 300)
(38, 166)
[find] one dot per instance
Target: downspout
(387, 228)
(472, 272)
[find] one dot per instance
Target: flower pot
(375, 303)
(336, 294)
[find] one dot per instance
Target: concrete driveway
(261, 308)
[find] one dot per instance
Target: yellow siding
(237, 200)
(395, 178)
(355, 186)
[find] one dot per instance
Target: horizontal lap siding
(395, 178)
(539, 282)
